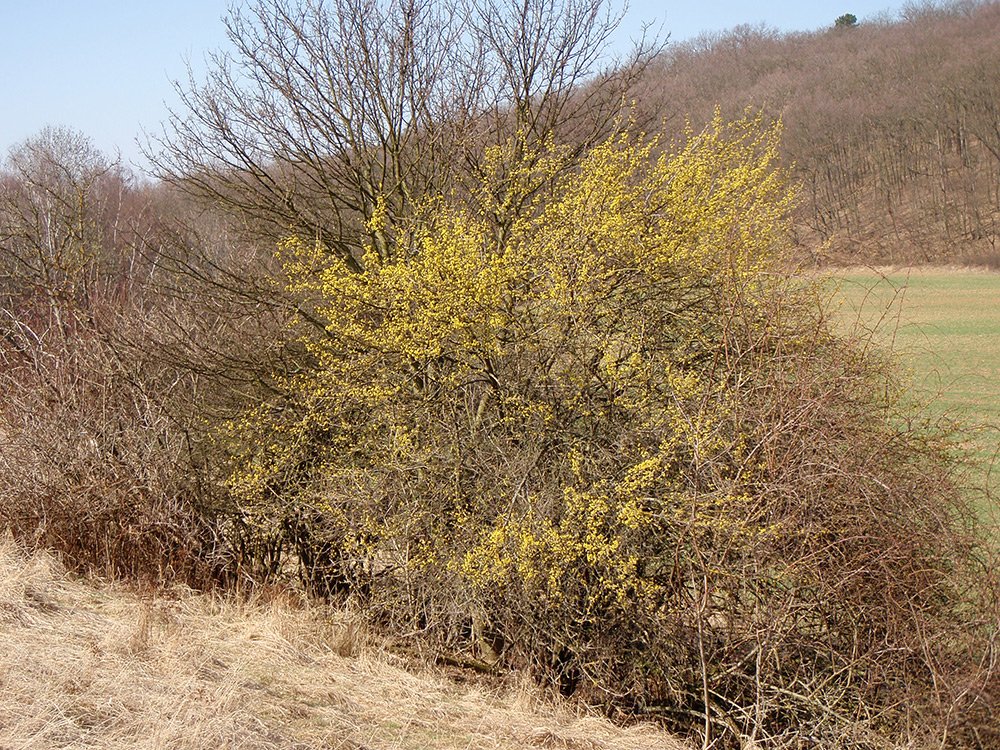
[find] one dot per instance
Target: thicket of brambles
(423, 315)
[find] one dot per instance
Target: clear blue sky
(104, 68)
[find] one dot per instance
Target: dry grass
(92, 666)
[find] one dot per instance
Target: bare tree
(327, 112)
(67, 216)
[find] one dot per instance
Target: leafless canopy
(325, 109)
(66, 215)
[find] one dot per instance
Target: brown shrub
(93, 468)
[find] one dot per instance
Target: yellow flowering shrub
(575, 421)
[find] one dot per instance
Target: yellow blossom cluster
(524, 400)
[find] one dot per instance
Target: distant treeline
(893, 126)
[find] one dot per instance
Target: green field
(945, 326)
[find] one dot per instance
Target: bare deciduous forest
(892, 128)
(433, 313)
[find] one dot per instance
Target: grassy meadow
(945, 326)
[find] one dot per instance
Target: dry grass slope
(91, 666)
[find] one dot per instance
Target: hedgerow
(577, 421)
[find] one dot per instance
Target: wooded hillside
(893, 126)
